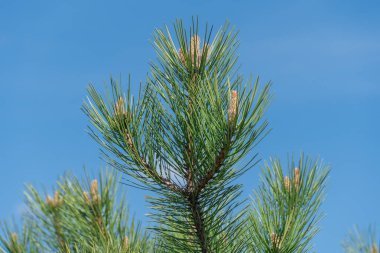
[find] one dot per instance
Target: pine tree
(190, 133)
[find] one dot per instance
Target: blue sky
(322, 56)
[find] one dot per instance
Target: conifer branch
(184, 138)
(198, 218)
(286, 209)
(361, 241)
(176, 140)
(83, 216)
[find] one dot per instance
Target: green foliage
(82, 216)
(360, 241)
(285, 209)
(187, 137)
(184, 136)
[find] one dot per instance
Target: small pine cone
(233, 106)
(287, 183)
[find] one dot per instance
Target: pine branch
(361, 241)
(83, 216)
(194, 121)
(286, 210)
(198, 218)
(184, 138)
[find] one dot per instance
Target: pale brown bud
(195, 44)
(14, 237)
(126, 242)
(86, 197)
(195, 52)
(94, 190)
(49, 201)
(297, 177)
(56, 197)
(275, 240)
(58, 200)
(374, 248)
(273, 237)
(96, 199)
(181, 56)
(287, 183)
(233, 106)
(120, 107)
(54, 202)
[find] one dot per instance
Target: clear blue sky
(322, 56)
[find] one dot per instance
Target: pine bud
(195, 44)
(58, 200)
(14, 238)
(181, 56)
(275, 240)
(195, 52)
(126, 242)
(287, 183)
(297, 177)
(120, 107)
(374, 248)
(96, 199)
(233, 106)
(95, 191)
(49, 201)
